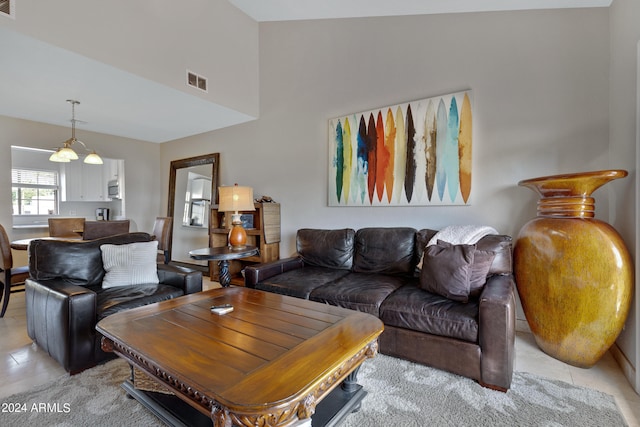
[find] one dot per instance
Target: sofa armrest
(61, 318)
(190, 281)
(255, 274)
(497, 331)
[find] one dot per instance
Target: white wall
(539, 81)
(624, 37)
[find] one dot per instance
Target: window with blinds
(34, 192)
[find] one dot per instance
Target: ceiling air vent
(195, 80)
(7, 8)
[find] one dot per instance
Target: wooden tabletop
(272, 354)
(223, 253)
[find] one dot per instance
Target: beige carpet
(400, 394)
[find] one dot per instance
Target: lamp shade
(56, 158)
(235, 198)
(67, 153)
(93, 159)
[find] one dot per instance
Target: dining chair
(13, 277)
(162, 229)
(66, 227)
(98, 229)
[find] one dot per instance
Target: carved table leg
(350, 383)
(131, 380)
(224, 276)
(350, 386)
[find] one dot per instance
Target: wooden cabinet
(263, 231)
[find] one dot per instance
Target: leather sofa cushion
(326, 248)
(113, 300)
(413, 308)
(385, 250)
(358, 291)
(300, 282)
(78, 263)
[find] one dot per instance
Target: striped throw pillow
(130, 264)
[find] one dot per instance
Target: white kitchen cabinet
(112, 169)
(201, 189)
(84, 182)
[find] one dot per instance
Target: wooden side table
(223, 255)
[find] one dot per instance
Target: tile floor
(23, 365)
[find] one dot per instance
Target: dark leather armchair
(65, 298)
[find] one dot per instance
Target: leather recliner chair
(65, 298)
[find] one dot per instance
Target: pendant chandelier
(65, 153)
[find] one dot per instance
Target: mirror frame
(206, 159)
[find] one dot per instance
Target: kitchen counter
(31, 226)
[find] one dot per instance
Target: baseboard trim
(627, 368)
(522, 326)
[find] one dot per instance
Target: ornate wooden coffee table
(273, 361)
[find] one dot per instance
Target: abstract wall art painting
(413, 154)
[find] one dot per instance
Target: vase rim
(572, 184)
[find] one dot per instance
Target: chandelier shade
(66, 153)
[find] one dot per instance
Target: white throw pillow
(130, 264)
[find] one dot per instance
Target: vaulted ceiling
(36, 78)
(285, 10)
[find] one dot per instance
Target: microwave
(114, 189)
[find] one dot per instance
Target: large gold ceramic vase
(573, 272)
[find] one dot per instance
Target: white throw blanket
(462, 234)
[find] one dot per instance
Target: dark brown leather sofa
(65, 298)
(374, 270)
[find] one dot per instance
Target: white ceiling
(285, 10)
(36, 78)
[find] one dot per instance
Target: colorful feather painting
(413, 154)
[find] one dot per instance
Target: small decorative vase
(573, 272)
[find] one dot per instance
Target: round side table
(223, 255)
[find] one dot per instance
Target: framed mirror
(193, 187)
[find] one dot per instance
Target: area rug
(401, 393)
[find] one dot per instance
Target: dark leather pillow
(482, 261)
(446, 270)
